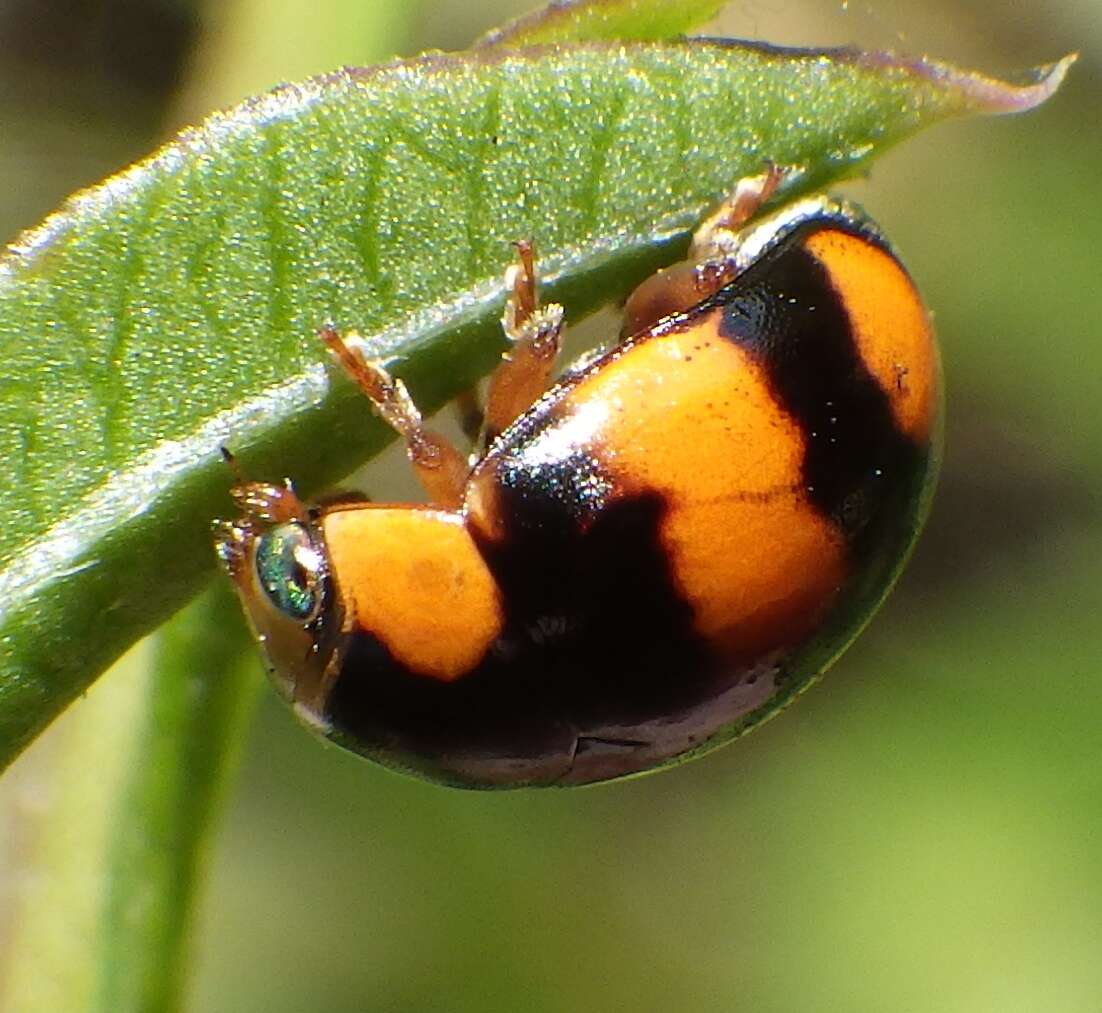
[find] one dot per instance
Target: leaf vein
(604, 138)
(475, 199)
(122, 329)
(368, 240)
(276, 229)
(419, 147)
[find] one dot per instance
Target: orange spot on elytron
(891, 327)
(412, 578)
(750, 554)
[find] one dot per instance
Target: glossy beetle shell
(662, 551)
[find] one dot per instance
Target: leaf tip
(983, 94)
(1034, 87)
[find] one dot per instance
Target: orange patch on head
(412, 578)
(691, 416)
(890, 325)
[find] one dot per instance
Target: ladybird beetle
(651, 555)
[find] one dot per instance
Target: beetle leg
(272, 504)
(261, 504)
(718, 238)
(441, 469)
(469, 415)
(262, 501)
(535, 333)
(713, 259)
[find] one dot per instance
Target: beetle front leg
(261, 501)
(262, 505)
(536, 335)
(441, 469)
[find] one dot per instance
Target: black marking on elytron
(859, 469)
(596, 640)
(547, 471)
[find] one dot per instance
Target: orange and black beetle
(651, 556)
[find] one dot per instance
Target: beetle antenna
(231, 463)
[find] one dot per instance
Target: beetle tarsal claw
(230, 538)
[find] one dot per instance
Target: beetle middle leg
(718, 236)
(536, 335)
(712, 261)
(441, 469)
(469, 414)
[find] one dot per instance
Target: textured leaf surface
(171, 310)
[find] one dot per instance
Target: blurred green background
(921, 832)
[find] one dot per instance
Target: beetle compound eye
(290, 567)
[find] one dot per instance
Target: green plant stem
(202, 682)
(134, 775)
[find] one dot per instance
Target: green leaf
(171, 310)
(596, 20)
